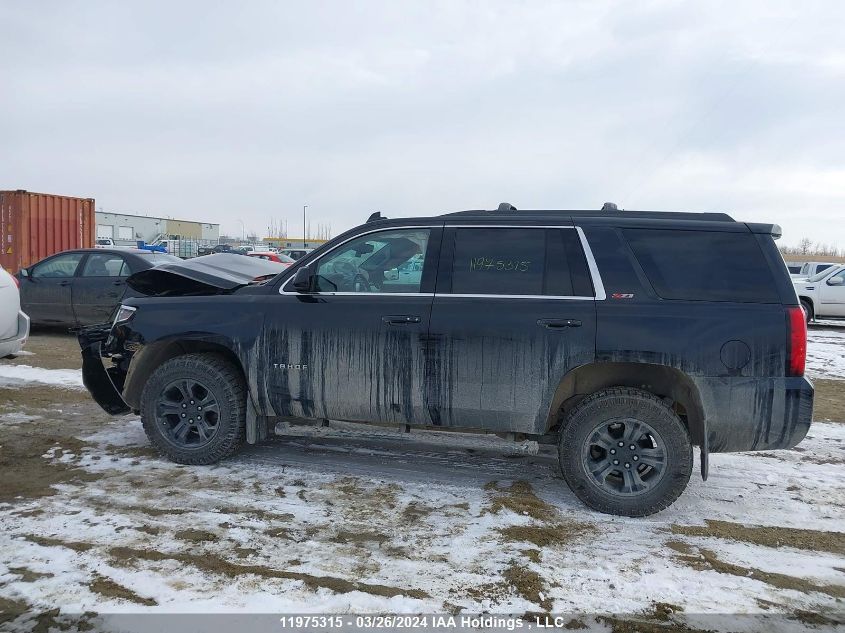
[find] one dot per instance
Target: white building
(126, 229)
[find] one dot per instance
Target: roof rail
(506, 207)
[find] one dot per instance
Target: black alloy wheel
(188, 413)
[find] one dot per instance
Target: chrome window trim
(552, 297)
(598, 285)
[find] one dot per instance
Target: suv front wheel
(624, 451)
(193, 408)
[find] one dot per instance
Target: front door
(46, 293)
(514, 310)
(99, 288)
(832, 295)
(351, 349)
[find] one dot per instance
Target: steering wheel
(347, 269)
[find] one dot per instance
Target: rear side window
(519, 261)
(703, 265)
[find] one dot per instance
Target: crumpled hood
(209, 274)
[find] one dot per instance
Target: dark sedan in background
(82, 287)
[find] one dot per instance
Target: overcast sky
(221, 111)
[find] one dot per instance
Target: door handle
(558, 324)
(117, 283)
(64, 283)
(402, 319)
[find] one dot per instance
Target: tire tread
(624, 396)
(220, 448)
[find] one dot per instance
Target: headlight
(124, 313)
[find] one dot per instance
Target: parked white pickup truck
(823, 295)
(107, 242)
(810, 269)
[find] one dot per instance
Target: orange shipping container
(36, 225)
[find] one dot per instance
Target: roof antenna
(505, 207)
(609, 206)
(375, 217)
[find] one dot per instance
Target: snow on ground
(363, 519)
(24, 375)
(826, 352)
(381, 521)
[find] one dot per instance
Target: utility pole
(304, 225)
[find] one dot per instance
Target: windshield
(822, 275)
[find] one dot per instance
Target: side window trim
(446, 262)
(433, 228)
(445, 259)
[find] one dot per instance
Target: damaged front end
(109, 348)
(104, 383)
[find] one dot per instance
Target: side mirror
(836, 281)
(24, 272)
(302, 279)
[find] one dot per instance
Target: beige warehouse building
(126, 229)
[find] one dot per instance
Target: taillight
(796, 340)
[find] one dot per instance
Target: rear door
(46, 293)
(514, 310)
(99, 287)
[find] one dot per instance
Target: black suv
(623, 337)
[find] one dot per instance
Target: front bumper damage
(105, 384)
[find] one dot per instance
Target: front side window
(58, 267)
(105, 265)
(519, 261)
(383, 262)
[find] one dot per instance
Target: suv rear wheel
(808, 310)
(193, 408)
(624, 451)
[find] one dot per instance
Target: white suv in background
(823, 296)
(14, 324)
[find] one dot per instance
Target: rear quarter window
(703, 265)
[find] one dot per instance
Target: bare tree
(805, 245)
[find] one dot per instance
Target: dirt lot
(356, 519)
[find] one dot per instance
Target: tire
(641, 481)
(177, 390)
(808, 310)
